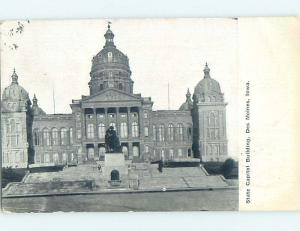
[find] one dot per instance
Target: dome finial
(34, 100)
(206, 71)
(109, 36)
(188, 94)
(14, 77)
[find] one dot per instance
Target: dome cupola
(208, 89)
(110, 68)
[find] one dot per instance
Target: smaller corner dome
(188, 104)
(208, 89)
(14, 92)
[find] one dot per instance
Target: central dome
(110, 68)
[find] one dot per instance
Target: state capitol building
(30, 137)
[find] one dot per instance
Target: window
(54, 136)
(18, 133)
(146, 131)
(46, 137)
(101, 131)
(47, 157)
(120, 86)
(125, 151)
(36, 137)
(78, 134)
(146, 115)
(135, 151)
(170, 132)
(162, 154)
(171, 153)
(161, 132)
(101, 86)
(55, 158)
(63, 136)
(179, 152)
(90, 131)
(135, 129)
(124, 129)
(109, 57)
(71, 135)
(154, 132)
(180, 132)
(146, 148)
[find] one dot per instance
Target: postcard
(179, 114)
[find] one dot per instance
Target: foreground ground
(225, 199)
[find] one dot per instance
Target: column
(129, 123)
(117, 122)
(95, 123)
(106, 118)
(130, 151)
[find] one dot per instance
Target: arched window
(71, 135)
(161, 132)
(154, 132)
(63, 136)
(90, 131)
(46, 137)
(170, 132)
(124, 130)
(135, 129)
(180, 132)
(101, 131)
(54, 136)
(36, 137)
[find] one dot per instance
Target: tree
(227, 167)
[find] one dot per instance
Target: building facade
(30, 137)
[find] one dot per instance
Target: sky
(54, 58)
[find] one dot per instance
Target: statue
(112, 142)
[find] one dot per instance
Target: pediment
(110, 95)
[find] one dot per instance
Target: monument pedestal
(115, 169)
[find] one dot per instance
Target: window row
(123, 130)
(56, 158)
(53, 137)
(173, 133)
(111, 115)
(215, 149)
(170, 154)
